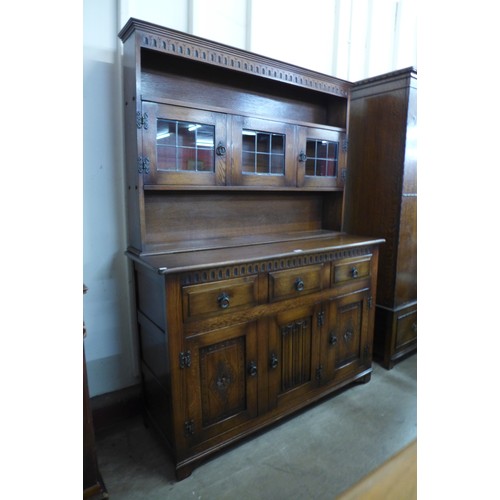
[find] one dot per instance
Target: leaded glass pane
(263, 153)
(185, 146)
(322, 158)
(263, 143)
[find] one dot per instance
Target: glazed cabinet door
(293, 354)
(321, 157)
(221, 381)
(262, 151)
(346, 342)
(182, 146)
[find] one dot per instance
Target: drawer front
(346, 271)
(295, 282)
(221, 297)
(406, 328)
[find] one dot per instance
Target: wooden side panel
(406, 271)
(333, 205)
(150, 295)
(410, 167)
(133, 146)
(374, 180)
(395, 334)
(406, 328)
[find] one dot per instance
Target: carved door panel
(221, 381)
(346, 344)
(293, 354)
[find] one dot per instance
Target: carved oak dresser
(251, 301)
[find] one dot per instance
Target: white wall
(351, 39)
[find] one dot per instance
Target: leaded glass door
(183, 146)
(262, 153)
(321, 157)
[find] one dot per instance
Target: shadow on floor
(315, 454)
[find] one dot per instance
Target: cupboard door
(346, 344)
(321, 157)
(262, 153)
(221, 381)
(293, 354)
(183, 146)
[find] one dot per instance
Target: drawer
(350, 270)
(215, 298)
(406, 328)
(295, 282)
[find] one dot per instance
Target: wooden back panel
(164, 77)
(180, 216)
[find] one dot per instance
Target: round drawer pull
(223, 300)
(252, 368)
(221, 149)
(354, 272)
(302, 157)
(299, 284)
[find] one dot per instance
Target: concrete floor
(316, 454)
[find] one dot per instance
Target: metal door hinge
(321, 318)
(370, 302)
(185, 359)
(345, 144)
(142, 120)
(319, 372)
(143, 165)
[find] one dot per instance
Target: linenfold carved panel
(295, 353)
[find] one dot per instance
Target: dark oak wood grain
(381, 199)
(251, 301)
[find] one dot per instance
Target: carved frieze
(253, 268)
(199, 49)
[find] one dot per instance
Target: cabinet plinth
(251, 302)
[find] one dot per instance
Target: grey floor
(316, 454)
